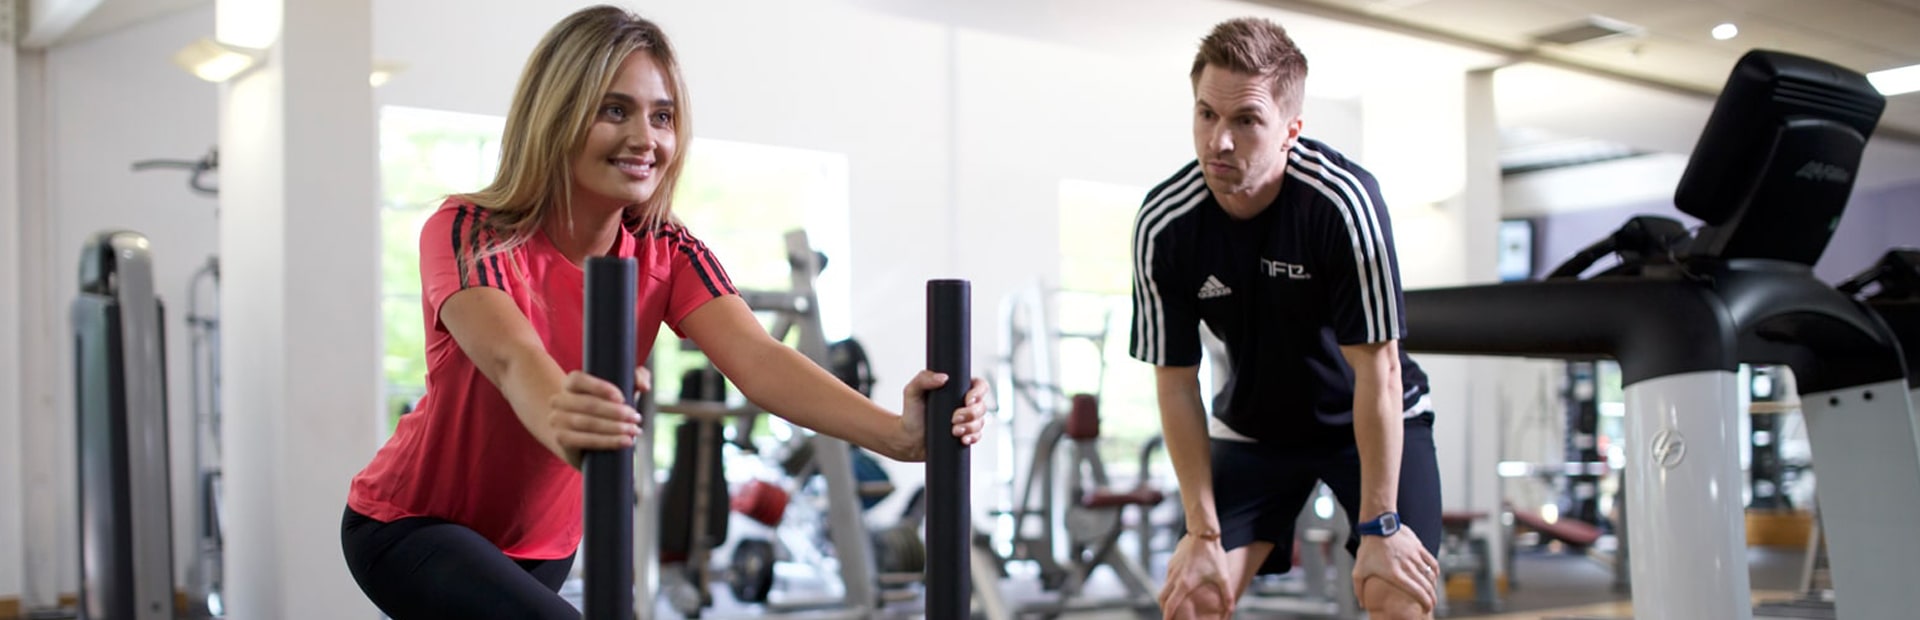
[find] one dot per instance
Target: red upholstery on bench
(1571, 531)
(1083, 422)
(1143, 496)
(1460, 519)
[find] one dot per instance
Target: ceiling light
(1898, 81)
(216, 62)
(1725, 31)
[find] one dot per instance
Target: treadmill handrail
(1653, 327)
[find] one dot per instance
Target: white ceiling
(113, 15)
(1674, 49)
(1647, 92)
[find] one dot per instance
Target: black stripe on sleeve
(460, 263)
(694, 257)
(474, 236)
(498, 276)
(712, 265)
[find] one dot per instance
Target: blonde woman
(473, 508)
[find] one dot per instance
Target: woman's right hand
(589, 414)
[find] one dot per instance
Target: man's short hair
(1256, 46)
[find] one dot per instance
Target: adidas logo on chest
(1213, 288)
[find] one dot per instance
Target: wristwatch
(1384, 525)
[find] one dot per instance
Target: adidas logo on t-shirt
(1213, 288)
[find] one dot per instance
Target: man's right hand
(1199, 585)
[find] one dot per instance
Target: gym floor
(1553, 586)
(1559, 586)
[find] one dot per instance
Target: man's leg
(1242, 564)
(1257, 492)
(1418, 504)
(1246, 562)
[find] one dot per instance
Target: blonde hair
(1257, 47)
(556, 102)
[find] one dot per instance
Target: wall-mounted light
(1725, 31)
(217, 62)
(383, 71)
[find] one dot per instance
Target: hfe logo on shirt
(1293, 271)
(1213, 288)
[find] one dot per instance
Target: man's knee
(1384, 601)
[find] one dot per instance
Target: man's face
(1240, 133)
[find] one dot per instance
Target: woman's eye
(614, 112)
(663, 118)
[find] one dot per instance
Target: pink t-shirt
(463, 455)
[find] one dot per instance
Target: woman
(473, 508)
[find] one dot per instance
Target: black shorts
(420, 567)
(1258, 490)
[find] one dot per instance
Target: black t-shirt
(1283, 291)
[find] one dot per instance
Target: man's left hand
(1401, 561)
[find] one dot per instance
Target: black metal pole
(609, 354)
(949, 488)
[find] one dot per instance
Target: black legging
(421, 567)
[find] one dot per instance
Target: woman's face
(631, 140)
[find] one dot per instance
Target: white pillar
(1480, 196)
(10, 397)
(299, 299)
(1476, 486)
(46, 431)
(1433, 144)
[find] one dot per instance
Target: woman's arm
(566, 413)
(782, 381)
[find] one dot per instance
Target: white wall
(108, 102)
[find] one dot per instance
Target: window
(1096, 281)
(424, 156)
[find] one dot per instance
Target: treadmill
(1769, 179)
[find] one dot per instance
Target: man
(1281, 247)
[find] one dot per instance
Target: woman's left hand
(968, 421)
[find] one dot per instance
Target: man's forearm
(1377, 429)
(1183, 426)
(1185, 432)
(1377, 426)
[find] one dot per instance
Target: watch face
(1389, 523)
